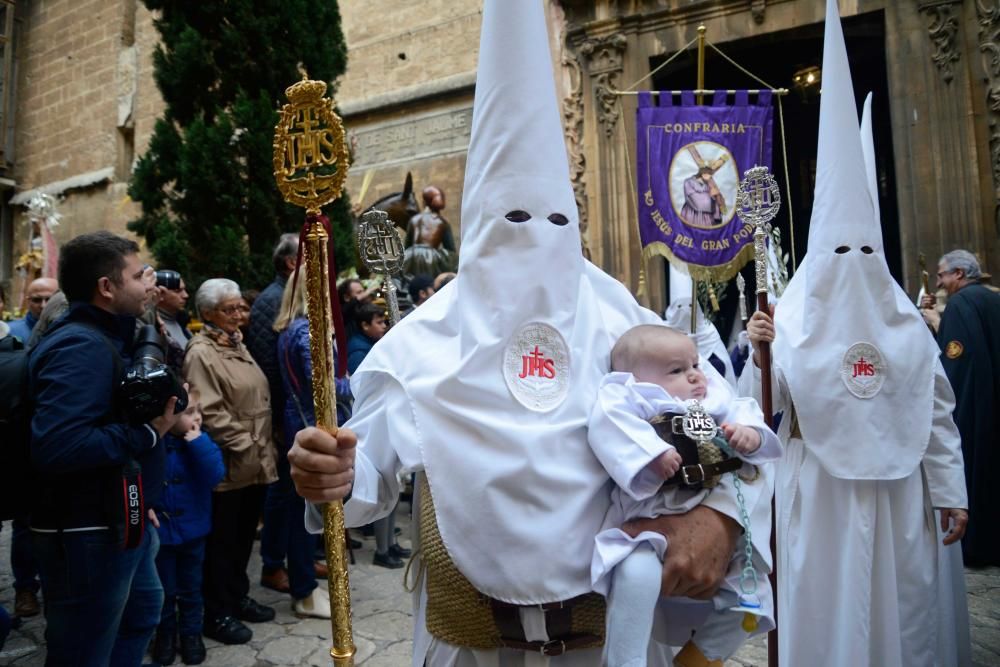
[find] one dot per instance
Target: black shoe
(227, 630)
(165, 647)
(192, 649)
(399, 552)
(387, 560)
(254, 612)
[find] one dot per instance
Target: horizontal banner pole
(703, 91)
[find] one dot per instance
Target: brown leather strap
(558, 626)
(696, 474)
(508, 620)
(559, 622)
(552, 647)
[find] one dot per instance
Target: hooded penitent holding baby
(485, 392)
(871, 446)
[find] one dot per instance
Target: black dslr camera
(149, 383)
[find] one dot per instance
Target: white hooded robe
(876, 448)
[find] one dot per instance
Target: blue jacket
(295, 362)
(22, 327)
(185, 507)
(79, 438)
(358, 348)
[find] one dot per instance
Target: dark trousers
(228, 548)
(102, 602)
(180, 567)
(274, 534)
(285, 533)
(22, 558)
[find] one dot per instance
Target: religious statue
(430, 246)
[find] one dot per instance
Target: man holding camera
(94, 458)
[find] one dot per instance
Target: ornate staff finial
(381, 251)
(310, 154)
(757, 202)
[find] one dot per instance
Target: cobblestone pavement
(383, 622)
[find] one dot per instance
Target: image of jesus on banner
(702, 182)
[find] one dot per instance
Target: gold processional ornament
(310, 151)
(310, 167)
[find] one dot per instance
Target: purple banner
(690, 161)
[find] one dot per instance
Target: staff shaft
(316, 255)
(767, 406)
(764, 353)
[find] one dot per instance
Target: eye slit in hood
(842, 249)
(867, 249)
(518, 216)
(558, 219)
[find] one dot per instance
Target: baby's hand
(744, 439)
(666, 464)
(193, 434)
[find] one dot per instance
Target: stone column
(986, 83)
(934, 136)
(609, 150)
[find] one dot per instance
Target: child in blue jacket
(194, 467)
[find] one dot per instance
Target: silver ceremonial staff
(757, 201)
(381, 251)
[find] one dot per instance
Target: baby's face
(672, 363)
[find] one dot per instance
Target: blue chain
(748, 577)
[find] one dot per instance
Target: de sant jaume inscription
(399, 141)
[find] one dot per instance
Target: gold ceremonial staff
(310, 167)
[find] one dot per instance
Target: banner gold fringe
(715, 274)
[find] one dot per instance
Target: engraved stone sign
(411, 139)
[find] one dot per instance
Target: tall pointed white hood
(502, 366)
(868, 150)
(858, 359)
(518, 207)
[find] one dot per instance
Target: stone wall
(86, 105)
(394, 45)
(407, 94)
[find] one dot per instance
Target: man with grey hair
(969, 337)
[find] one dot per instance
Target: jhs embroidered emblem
(953, 350)
(536, 367)
(863, 370)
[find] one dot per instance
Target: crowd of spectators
(214, 475)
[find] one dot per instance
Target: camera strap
(134, 508)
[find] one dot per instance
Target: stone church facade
(82, 105)
(942, 74)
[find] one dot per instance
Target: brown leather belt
(698, 473)
(558, 626)
(693, 473)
